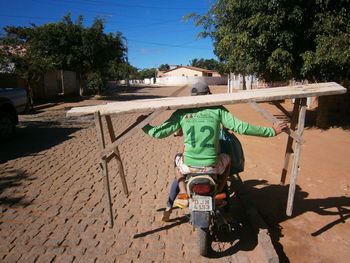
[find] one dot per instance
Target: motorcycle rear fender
(200, 219)
(193, 179)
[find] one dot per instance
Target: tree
(121, 70)
(210, 64)
(66, 46)
(281, 40)
(25, 63)
(164, 67)
(146, 73)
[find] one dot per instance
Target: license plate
(201, 203)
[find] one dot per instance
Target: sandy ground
(319, 229)
(52, 204)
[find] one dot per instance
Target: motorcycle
(208, 208)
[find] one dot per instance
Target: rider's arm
(167, 128)
(242, 127)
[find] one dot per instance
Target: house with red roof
(188, 71)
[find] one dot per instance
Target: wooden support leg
(117, 154)
(289, 149)
(273, 119)
(295, 166)
(99, 127)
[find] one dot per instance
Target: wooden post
(131, 131)
(104, 167)
(295, 166)
(289, 148)
(117, 154)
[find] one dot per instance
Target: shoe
(181, 200)
(166, 215)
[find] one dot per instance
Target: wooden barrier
(156, 106)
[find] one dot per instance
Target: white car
(13, 101)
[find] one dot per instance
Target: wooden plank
(104, 167)
(295, 166)
(131, 132)
(289, 148)
(117, 154)
(173, 103)
(273, 119)
(281, 108)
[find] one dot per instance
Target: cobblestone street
(53, 204)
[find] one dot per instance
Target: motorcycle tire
(204, 241)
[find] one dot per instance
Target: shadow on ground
(271, 202)
(8, 185)
(224, 243)
(124, 93)
(32, 139)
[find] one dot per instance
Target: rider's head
(200, 88)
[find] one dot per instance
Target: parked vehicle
(13, 101)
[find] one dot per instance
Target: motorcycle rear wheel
(203, 241)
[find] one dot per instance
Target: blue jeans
(174, 190)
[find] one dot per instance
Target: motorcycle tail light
(220, 196)
(202, 189)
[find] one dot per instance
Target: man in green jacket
(201, 129)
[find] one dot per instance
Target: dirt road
(52, 201)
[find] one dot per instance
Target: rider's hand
(178, 132)
(279, 126)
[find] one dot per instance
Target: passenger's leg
(174, 190)
(225, 162)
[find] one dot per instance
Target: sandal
(181, 200)
(166, 215)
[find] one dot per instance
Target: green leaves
(278, 40)
(64, 45)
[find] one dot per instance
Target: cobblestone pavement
(53, 203)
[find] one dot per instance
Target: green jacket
(201, 127)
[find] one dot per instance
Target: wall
(183, 72)
(191, 80)
(177, 81)
(53, 83)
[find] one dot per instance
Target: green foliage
(278, 40)
(164, 67)
(121, 70)
(65, 46)
(330, 60)
(146, 73)
(210, 64)
(95, 82)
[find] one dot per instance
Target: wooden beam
(273, 119)
(117, 154)
(131, 132)
(173, 103)
(104, 167)
(289, 149)
(295, 166)
(281, 108)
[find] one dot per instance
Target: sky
(155, 30)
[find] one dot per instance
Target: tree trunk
(62, 81)
(322, 119)
(244, 83)
(81, 86)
